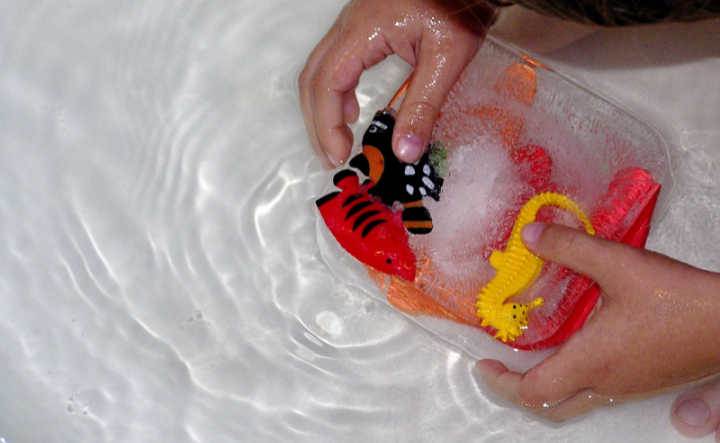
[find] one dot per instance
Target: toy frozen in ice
(512, 148)
(516, 268)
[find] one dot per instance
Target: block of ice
(514, 129)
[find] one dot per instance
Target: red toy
(369, 230)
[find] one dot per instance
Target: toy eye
(372, 129)
(388, 261)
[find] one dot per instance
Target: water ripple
(165, 276)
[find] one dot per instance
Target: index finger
(439, 65)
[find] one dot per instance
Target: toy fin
(360, 162)
(326, 198)
(417, 219)
(346, 180)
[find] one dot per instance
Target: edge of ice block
(664, 177)
(667, 181)
(467, 339)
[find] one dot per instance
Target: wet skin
(436, 38)
(658, 325)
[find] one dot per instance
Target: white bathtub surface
(160, 274)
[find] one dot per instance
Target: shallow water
(160, 276)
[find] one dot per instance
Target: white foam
(474, 200)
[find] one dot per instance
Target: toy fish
(365, 227)
(395, 181)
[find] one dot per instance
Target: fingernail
(532, 232)
(335, 162)
(694, 412)
(410, 148)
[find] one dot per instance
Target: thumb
(438, 68)
(594, 257)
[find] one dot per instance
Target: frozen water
(480, 174)
(160, 276)
(512, 131)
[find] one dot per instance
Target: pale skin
(432, 39)
(658, 323)
(657, 327)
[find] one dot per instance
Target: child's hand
(658, 326)
(437, 38)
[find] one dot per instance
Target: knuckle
(532, 400)
(572, 240)
(559, 240)
(531, 394)
(423, 107)
(418, 116)
(573, 244)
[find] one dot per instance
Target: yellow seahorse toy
(516, 269)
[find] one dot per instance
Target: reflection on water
(160, 275)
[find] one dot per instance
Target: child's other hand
(658, 326)
(437, 38)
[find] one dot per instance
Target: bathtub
(160, 277)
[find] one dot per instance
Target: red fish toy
(365, 227)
